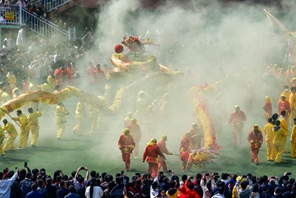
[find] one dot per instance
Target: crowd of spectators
(25, 183)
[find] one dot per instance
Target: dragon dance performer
(196, 136)
(152, 153)
(80, 114)
(269, 136)
(284, 105)
(267, 108)
(135, 131)
(163, 149)
(60, 119)
(34, 125)
(128, 119)
(184, 150)
(237, 120)
(126, 144)
(24, 128)
(32, 87)
(93, 118)
(255, 138)
(284, 126)
(293, 140)
(12, 134)
(2, 136)
(49, 87)
(292, 101)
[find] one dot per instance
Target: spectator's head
(40, 183)
(224, 176)
(184, 177)
(93, 173)
(63, 184)
(255, 188)
(29, 175)
(1, 175)
(80, 180)
(265, 188)
(277, 191)
(71, 189)
(283, 113)
(198, 176)
(118, 180)
(34, 186)
(190, 185)
(244, 184)
(154, 185)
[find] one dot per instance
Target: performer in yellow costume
(5, 97)
(60, 119)
(12, 134)
(49, 87)
(269, 136)
(11, 79)
(32, 87)
(79, 117)
(22, 119)
(93, 118)
(34, 125)
(293, 139)
(292, 101)
(1, 142)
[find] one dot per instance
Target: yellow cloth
(286, 94)
(33, 122)
(34, 126)
(5, 97)
(60, 119)
(93, 117)
(1, 132)
(269, 136)
(10, 129)
(1, 146)
(268, 131)
(9, 143)
(293, 141)
(60, 114)
(279, 136)
(11, 79)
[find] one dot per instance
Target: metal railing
(51, 5)
(43, 27)
(16, 15)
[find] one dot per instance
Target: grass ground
(99, 152)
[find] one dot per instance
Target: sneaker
(19, 148)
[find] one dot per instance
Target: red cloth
(124, 143)
(185, 192)
(237, 118)
(135, 131)
(70, 75)
(98, 75)
(152, 152)
(284, 105)
(268, 109)
(195, 139)
(90, 72)
(25, 87)
(162, 146)
(58, 74)
(185, 143)
(255, 141)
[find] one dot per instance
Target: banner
(9, 16)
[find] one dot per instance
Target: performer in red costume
(152, 153)
(196, 136)
(267, 108)
(135, 131)
(163, 149)
(237, 120)
(126, 144)
(255, 138)
(185, 142)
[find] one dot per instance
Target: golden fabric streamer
(55, 98)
